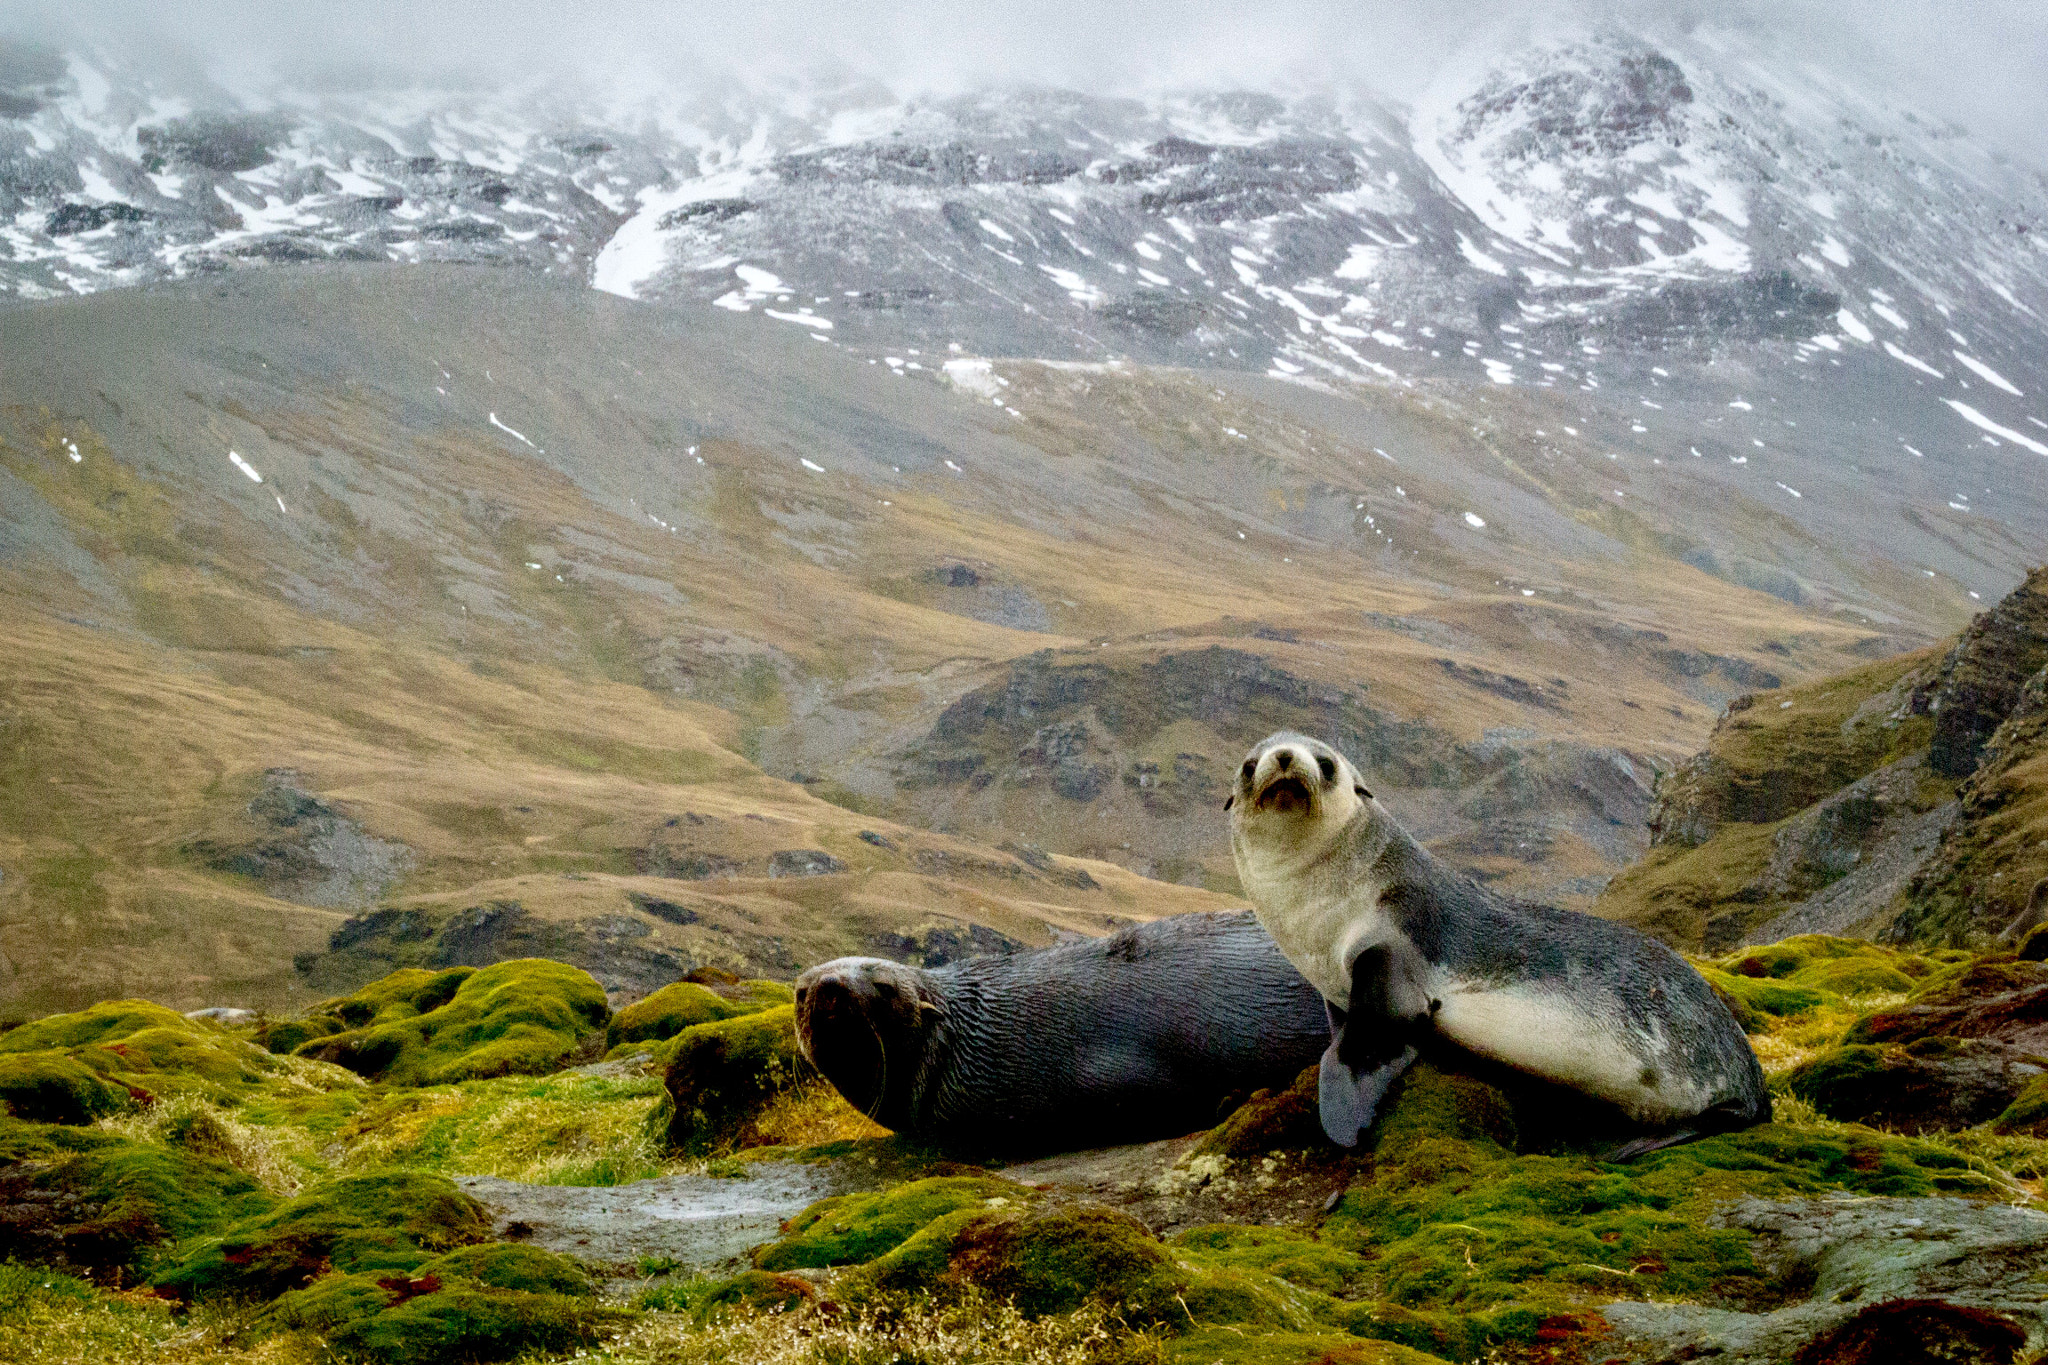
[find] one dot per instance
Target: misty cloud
(1977, 62)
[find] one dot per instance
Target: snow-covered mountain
(1569, 215)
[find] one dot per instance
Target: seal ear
(1360, 789)
(1229, 801)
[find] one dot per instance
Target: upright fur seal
(1139, 1035)
(1402, 947)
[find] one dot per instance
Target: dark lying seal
(1405, 950)
(1137, 1036)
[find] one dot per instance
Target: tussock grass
(975, 1331)
(569, 1129)
(810, 1116)
(277, 1158)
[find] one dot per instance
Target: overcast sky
(1979, 62)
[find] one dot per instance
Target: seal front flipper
(1369, 1049)
(1347, 1098)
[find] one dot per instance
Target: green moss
(672, 1009)
(144, 1047)
(2028, 1116)
(1285, 1253)
(709, 1300)
(385, 1223)
(1857, 976)
(1229, 1345)
(425, 1320)
(108, 1200)
(507, 1265)
(53, 1087)
(1791, 956)
(284, 1036)
(850, 1228)
(1764, 996)
(724, 1074)
(1270, 1121)
(110, 1021)
(522, 1017)
(1430, 1104)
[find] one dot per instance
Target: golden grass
(977, 1331)
(810, 1116)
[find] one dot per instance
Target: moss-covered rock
(851, 1228)
(1857, 977)
(54, 1087)
(1763, 996)
(685, 1004)
(760, 1291)
(523, 1017)
(92, 1198)
(145, 1049)
(1432, 1104)
(508, 1265)
(1271, 1121)
(2028, 1114)
(1056, 1260)
(1929, 1085)
(722, 1075)
(1227, 1345)
(1288, 1254)
(369, 1224)
(428, 1318)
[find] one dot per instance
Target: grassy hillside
(532, 573)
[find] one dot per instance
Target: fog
(1977, 62)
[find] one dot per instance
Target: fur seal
(1403, 949)
(1136, 1036)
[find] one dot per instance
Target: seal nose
(1283, 760)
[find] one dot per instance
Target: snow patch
(1978, 419)
(1988, 375)
(235, 458)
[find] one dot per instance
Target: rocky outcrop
(1979, 681)
(1992, 866)
(1953, 1261)
(299, 847)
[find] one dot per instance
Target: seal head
(865, 1023)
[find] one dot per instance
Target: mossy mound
(850, 1228)
(1271, 1121)
(1288, 1254)
(145, 1049)
(433, 1316)
(403, 994)
(1926, 1086)
(722, 1075)
(523, 1017)
(685, 1004)
(2028, 1115)
(1230, 1346)
(507, 1265)
(1754, 997)
(1815, 969)
(1057, 1260)
(760, 1291)
(53, 1087)
(92, 1198)
(367, 1224)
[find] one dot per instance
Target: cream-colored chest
(1319, 918)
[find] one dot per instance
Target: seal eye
(1249, 770)
(1329, 767)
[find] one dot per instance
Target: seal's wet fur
(1137, 1036)
(1405, 951)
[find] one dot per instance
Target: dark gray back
(1136, 1036)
